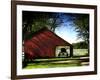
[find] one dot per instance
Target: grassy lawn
(59, 62)
(50, 63)
(57, 59)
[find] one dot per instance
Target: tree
(81, 23)
(34, 21)
(80, 45)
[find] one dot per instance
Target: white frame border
(21, 71)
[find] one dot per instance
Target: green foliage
(50, 65)
(34, 21)
(80, 45)
(81, 23)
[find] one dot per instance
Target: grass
(50, 65)
(55, 59)
(53, 63)
(59, 62)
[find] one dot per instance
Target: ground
(77, 60)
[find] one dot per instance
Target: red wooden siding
(43, 44)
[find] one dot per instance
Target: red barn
(43, 44)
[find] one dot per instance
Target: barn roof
(42, 43)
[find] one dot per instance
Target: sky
(68, 33)
(67, 30)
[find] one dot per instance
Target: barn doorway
(62, 51)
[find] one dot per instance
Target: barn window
(62, 51)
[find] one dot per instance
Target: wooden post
(71, 51)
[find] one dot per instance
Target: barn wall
(43, 45)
